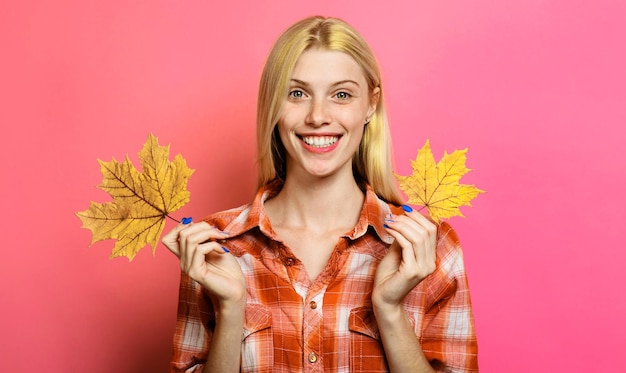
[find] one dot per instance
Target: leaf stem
(168, 216)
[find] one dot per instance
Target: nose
(318, 113)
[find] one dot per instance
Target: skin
(320, 200)
(328, 96)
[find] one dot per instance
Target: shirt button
(313, 305)
(312, 357)
(289, 262)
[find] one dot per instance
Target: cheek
(353, 121)
(354, 115)
(290, 117)
(284, 130)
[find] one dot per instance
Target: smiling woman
(322, 121)
(372, 162)
(324, 270)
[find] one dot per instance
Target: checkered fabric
(293, 324)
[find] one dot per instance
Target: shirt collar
(252, 216)
(373, 215)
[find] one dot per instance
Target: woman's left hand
(410, 259)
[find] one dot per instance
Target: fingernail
(222, 232)
(385, 225)
(186, 220)
(389, 218)
(407, 208)
(225, 249)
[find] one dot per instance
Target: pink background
(536, 90)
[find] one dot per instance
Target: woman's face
(324, 114)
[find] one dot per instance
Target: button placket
(312, 329)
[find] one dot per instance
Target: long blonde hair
(372, 163)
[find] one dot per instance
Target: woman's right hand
(206, 262)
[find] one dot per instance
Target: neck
(321, 204)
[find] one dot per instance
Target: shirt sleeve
(194, 324)
(448, 335)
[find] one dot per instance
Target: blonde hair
(372, 163)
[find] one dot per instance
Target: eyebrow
(301, 82)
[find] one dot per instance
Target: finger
(405, 247)
(190, 241)
(422, 220)
(194, 235)
(426, 255)
(421, 243)
(422, 224)
(418, 259)
(210, 232)
(170, 240)
(411, 230)
(197, 263)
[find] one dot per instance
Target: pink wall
(535, 89)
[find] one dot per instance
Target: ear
(374, 97)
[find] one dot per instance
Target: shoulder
(241, 219)
(449, 252)
(449, 277)
(223, 219)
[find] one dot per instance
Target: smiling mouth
(319, 141)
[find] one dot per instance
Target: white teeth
(320, 141)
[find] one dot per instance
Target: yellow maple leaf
(141, 200)
(436, 185)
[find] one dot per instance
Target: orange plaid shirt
(293, 324)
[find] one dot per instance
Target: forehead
(327, 66)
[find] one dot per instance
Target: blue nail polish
(386, 226)
(225, 249)
(407, 208)
(226, 233)
(186, 220)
